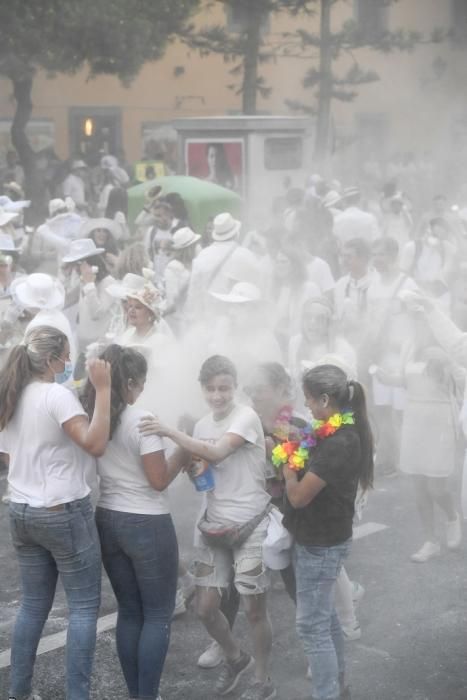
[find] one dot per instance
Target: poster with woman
(217, 161)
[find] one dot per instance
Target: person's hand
(152, 426)
(87, 273)
(289, 473)
(415, 301)
(99, 373)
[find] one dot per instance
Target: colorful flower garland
(295, 453)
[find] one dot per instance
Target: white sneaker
(351, 634)
(454, 533)
(180, 606)
(211, 657)
(358, 592)
(427, 551)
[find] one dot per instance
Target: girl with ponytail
(51, 517)
(319, 513)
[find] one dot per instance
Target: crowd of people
(328, 344)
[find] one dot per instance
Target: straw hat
(80, 249)
(184, 237)
(240, 293)
(225, 227)
(38, 291)
(149, 296)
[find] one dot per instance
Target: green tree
(246, 45)
(325, 47)
(61, 36)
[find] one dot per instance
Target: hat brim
(21, 292)
(71, 258)
(7, 217)
(233, 298)
(194, 240)
(231, 233)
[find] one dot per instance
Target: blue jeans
(140, 555)
(52, 543)
(316, 570)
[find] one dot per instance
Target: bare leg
(425, 507)
(442, 497)
(261, 632)
(208, 602)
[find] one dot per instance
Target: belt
(60, 506)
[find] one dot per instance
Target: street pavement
(413, 618)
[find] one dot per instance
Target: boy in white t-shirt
(231, 440)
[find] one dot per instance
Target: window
(459, 20)
(371, 17)
(283, 153)
(238, 18)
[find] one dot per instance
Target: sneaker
(351, 634)
(259, 690)
(427, 551)
(180, 606)
(212, 656)
(188, 586)
(357, 592)
(454, 533)
(232, 671)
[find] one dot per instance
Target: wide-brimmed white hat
(38, 291)
(7, 244)
(58, 207)
(129, 284)
(241, 293)
(80, 249)
(331, 199)
(225, 227)
(9, 205)
(184, 237)
(90, 225)
(7, 216)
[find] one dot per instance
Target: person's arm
(301, 493)
(161, 472)
(98, 303)
(93, 436)
(211, 452)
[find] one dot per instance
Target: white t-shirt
(46, 467)
(240, 486)
(123, 483)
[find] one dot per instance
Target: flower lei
(295, 453)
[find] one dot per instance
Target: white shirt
(123, 483)
(46, 467)
(356, 223)
(320, 274)
(73, 187)
(239, 493)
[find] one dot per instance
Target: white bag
(277, 547)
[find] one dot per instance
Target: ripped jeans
(243, 566)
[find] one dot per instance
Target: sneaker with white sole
(260, 690)
(454, 533)
(232, 671)
(426, 552)
(351, 634)
(212, 656)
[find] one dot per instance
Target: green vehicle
(203, 199)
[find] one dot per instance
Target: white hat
(7, 244)
(240, 293)
(108, 162)
(242, 267)
(184, 237)
(58, 205)
(130, 283)
(38, 291)
(90, 225)
(77, 164)
(10, 206)
(80, 249)
(331, 199)
(14, 187)
(6, 216)
(350, 192)
(225, 227)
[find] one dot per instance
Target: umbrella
(203, 199)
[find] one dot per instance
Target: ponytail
(14, 376)
(357, 403)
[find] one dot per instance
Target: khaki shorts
(242, 566)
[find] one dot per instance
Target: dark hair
(332, 380)
(125, 364)
(224, 174)
(110, 244)
(99, 262)
(177, 203)
(294, 253)
(25, 362)
(276, 375)
(117, 201)
(360, 248)
(214, 365)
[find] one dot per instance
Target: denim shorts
(243, 565)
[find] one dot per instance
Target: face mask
(62, 377)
